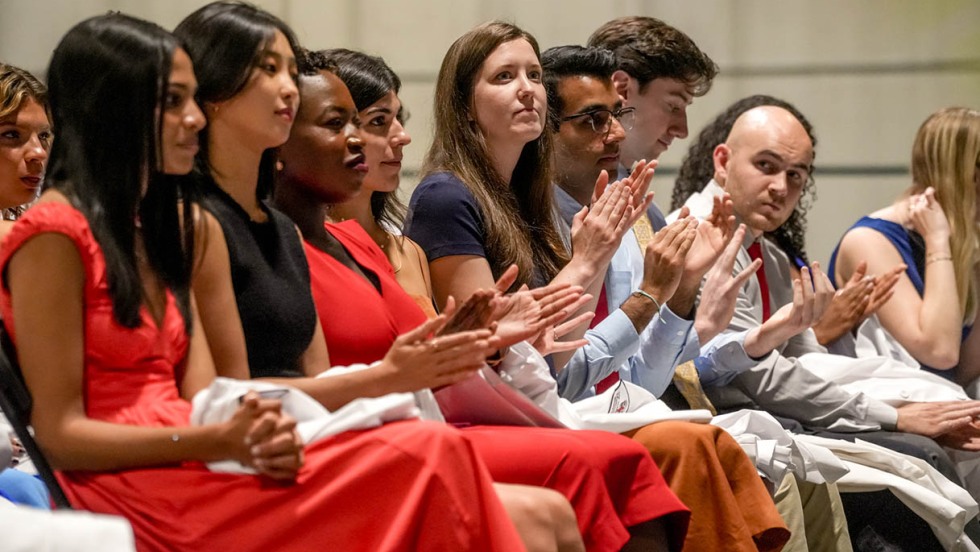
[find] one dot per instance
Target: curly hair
(698, 169)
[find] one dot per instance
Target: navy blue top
(908, 243)
(912, 249)
(445, 219)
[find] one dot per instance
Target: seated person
(97, 300)
(931, 230)
(858, 297)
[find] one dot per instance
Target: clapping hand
(720, 290)
(714, 233)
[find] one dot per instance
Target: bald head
(764, 165)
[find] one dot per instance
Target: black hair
(225, 40)
(369, 79)
(107, 81)
(570, 61)
(311, 62)
(698, 169)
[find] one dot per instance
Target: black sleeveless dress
(272, 284)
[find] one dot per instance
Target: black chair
(15, 400)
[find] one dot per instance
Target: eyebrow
(378, 110)
(594, 107)
(804, 166)
(277, 56)
(686, 98)
(332, 107)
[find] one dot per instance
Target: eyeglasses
(601, 119)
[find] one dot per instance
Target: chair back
(16, 402)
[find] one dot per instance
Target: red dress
(404, 486)
(610, 480)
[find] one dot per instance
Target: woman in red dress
(609, 480)
(96, 296)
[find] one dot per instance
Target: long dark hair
(224, 40)
(698, 169)
(107, 82)
(369, 79)
(520, 226)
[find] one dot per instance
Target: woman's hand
(547, 341)
(261, 437)
(522, 316)
(418, 361)
(928, 219)
(475, 314)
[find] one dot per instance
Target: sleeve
(780, 384)
(783, 386)
(444, 218)
(722, 359)
(667, 341)
(610, 344)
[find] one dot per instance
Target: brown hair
(650, 49)
(16, 87)
(520, 226)
(945, 155)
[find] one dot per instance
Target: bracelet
(937, 258)
(642, 293)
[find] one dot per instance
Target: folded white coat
(777, 452)
(219, 401)
(945, 506)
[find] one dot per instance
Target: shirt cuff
(883, 414)
(723, 358)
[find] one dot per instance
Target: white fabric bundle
(219, 401)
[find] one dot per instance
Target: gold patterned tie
(685, 375)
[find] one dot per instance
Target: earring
(280, 165)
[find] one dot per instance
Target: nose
(289, 89)
(354, 142)
(400, 137)
(194, 119)
(678, 127)
(779, 184)
(616, 132)
(525, 87)
(36, 152)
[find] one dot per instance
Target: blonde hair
(945, 156)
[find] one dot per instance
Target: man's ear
(721, 156)
(621, 81)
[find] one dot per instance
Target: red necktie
(601, 312)
(755, 251)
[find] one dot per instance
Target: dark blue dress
(912, 249)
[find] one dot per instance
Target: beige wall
(865, 72)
